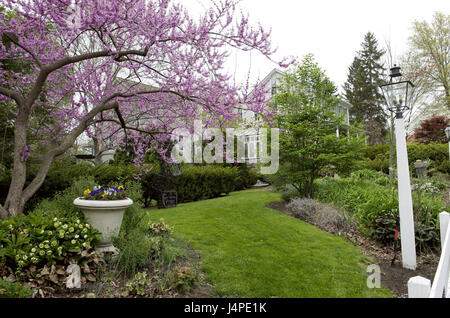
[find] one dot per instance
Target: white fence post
(443, 225)
(440, 281)
(444, 219)
(419, 287)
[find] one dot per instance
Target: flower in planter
(105, 193)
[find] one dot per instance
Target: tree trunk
(14, 203)
(17, 195)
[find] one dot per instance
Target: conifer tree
(361, 89)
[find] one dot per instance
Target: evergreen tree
(361, 89)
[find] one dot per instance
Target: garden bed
(115, 286)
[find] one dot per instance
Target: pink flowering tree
(122, 70)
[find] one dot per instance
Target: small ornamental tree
(87, 63)
(432, 130)
(309, 145)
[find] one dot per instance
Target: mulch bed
(108, 286)
(394, 277)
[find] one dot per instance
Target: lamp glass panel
(395, 94)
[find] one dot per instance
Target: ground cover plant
(36, 248)
(249, 250)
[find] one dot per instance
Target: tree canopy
(309, 145)
(361, 89)
(135, 69)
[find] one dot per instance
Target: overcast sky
(331, 30)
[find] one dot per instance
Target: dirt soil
(114, 286)
(394, 277)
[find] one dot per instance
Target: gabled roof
(271, 74)
(345, 103)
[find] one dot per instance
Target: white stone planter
(105, 216)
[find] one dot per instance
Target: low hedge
(195, 183)
(437, 156)
(198, 182)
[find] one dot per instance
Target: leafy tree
(309, 146)
(361, 89)
(429, 56)
(432, 130)
(154, 41)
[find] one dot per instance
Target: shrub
(372, 202)
(62, 202)
(44, 238)
(13, 290)
(114, 174)
(197, 182)
(288, 192)
(320, 214)
(330, 217)
(302, 207)
(383, 227)
(436, 154)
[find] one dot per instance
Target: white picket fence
(420, 287)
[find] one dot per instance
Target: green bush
(13, 290)
(198, 182)
(44, 238)
(289, 192)
(437, 156)
(372, 201)
(62, 202)
(110, 174)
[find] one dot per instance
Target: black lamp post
(397, 94)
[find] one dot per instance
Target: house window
(274, 88)
(251, 147)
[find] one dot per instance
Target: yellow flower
(87, 192)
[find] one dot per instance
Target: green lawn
(248, 250)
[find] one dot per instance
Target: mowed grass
(249, 250)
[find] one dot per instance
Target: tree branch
(87, 56)
(12, 94)
(24, 48)
(65, 144)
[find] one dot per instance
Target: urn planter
(105, 216)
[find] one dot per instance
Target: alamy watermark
(374, 278)
(231, 148)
